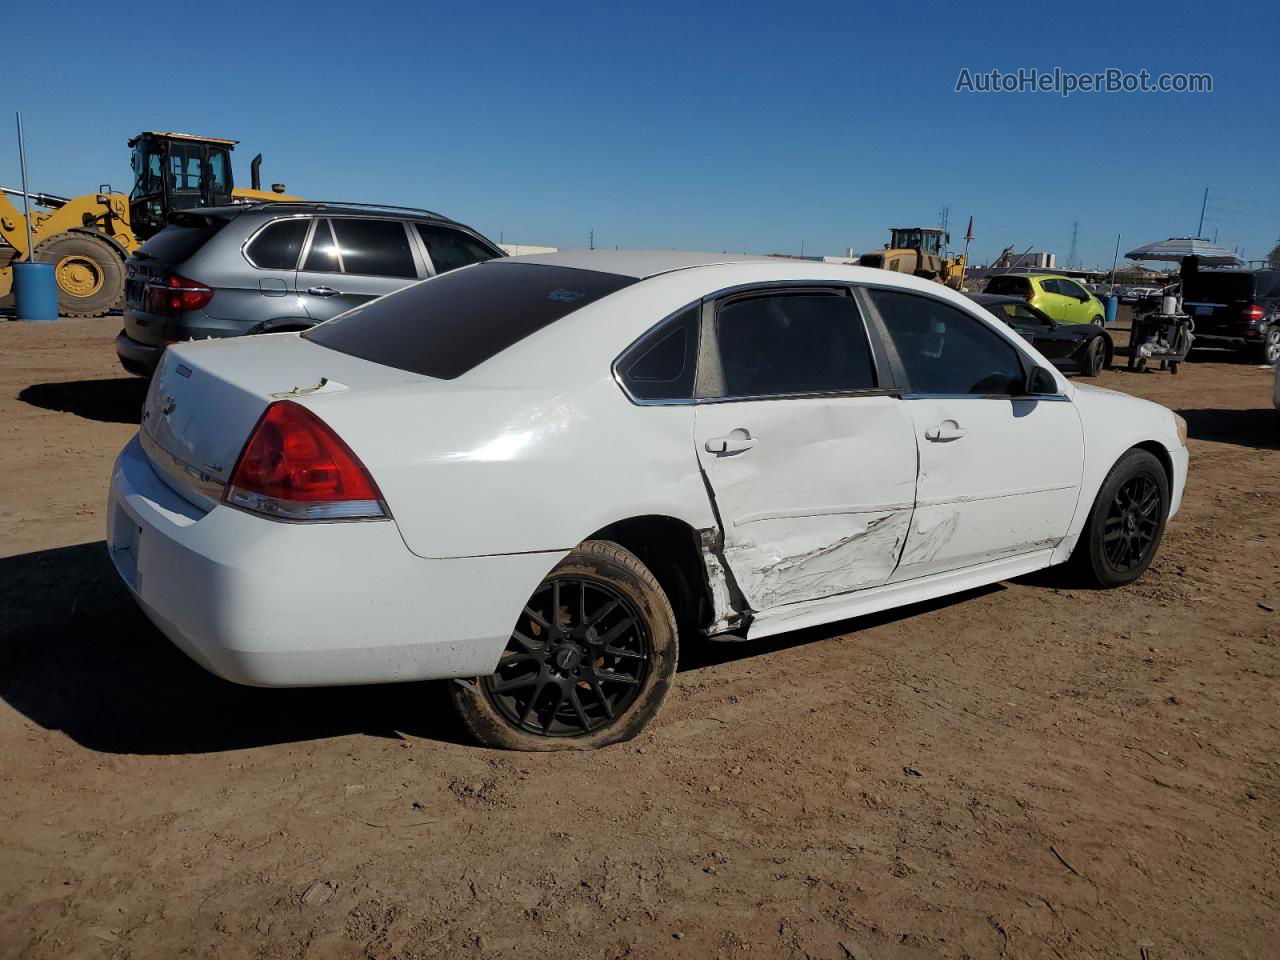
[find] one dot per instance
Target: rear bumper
(277, 604)
(137, 358)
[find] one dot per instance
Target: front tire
(1095, 358)
(1099, 322)
(1126, 523)
(89, 272)
(589, 661)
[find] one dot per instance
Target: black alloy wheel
(576, 660)
(588, 662)
(1126, 523)
(1132, 523)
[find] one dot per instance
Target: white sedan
(537, 475)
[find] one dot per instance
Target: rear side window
(449, 324)
(944, 350)
(374, 248)
(792, 343)
(450, 249)
(1008, 286)
(662, 365)
(276, 247)
(323, 255)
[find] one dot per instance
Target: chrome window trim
(306, 240)
(655, 329)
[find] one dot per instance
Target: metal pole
(1114, 261)
(26, 196)
(1203, 203)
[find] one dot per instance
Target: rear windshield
(1219, 287)
(1008, 286)
(445, 326)
(178, 242)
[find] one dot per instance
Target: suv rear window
(1220, 287)
(1008, 286)
(449, 324)
(178, 242)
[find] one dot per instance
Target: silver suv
(268, 267)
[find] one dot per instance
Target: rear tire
(589, 661)
(1126, 522)
(1268, 351)
(89, 271)
(1095, 358)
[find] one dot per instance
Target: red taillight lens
(1030, 295)
(295, 467)
(1252, 313)
(175, 295)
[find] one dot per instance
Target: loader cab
(928, 240)
(176, 171)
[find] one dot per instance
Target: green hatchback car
(1060, 297)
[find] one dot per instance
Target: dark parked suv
(269, 267)
(1236, 308)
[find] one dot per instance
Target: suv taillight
(1252, 313)
(176, 295)
(294, 467)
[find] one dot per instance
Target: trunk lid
(206, 397)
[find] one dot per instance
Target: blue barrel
(1112, 303)
(35, 292)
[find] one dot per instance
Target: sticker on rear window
(566, 296)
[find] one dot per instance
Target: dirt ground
(1025, 771)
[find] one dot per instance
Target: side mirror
(1041, 383)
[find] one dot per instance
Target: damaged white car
(538, 475)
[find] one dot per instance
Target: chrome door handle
(736, 441)
(323, 291)
(945, 432)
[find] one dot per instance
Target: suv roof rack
(322, 204)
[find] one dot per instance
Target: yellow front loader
(88, 238)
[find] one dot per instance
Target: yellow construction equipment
(918, 251)
(88, 237)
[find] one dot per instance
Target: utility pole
(1203, 203)
(591, 239)
(1114, 261)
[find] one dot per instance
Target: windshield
(1008, 286)
(449, 324)
(1219, 287)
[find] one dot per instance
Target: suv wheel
(1268, 351)
(588, 663)
(1126, 523)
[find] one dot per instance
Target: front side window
(1069, 289)
(1021, 315)
(944, 350)
(374, 248)
(450, 249)
(792, 343)
(276, 247)
(662, 365)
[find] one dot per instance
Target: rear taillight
(176, 295)
(1252, 313)
(1030, 295)
(294, 467)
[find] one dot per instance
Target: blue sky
(734, 126)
